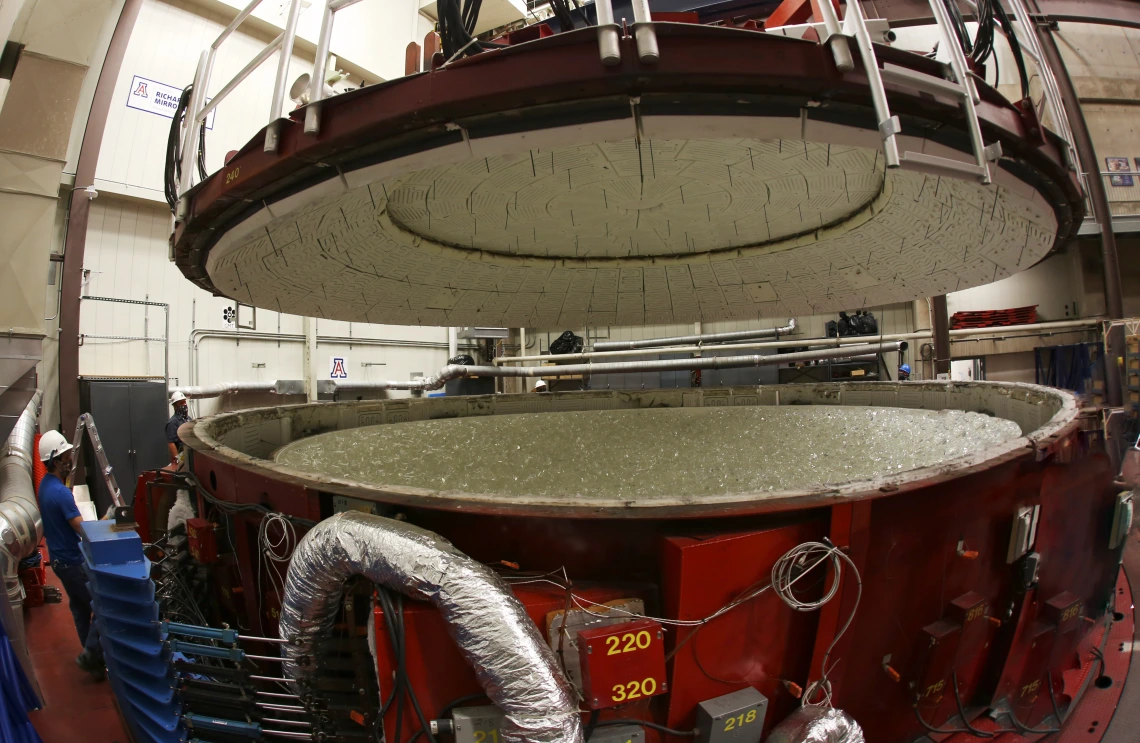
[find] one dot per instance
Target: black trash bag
(567, 343)
(462, 359)
(832, 329)
(865, 323)
(844, 326)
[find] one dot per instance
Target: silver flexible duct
(514, 666)
(740, 335)
(20, 524)
(625, 367)
(817, 725)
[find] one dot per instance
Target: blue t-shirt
(57, 507)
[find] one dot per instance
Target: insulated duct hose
(516, 669)
(20, 523)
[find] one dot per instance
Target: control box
(622, 663)
(478, 724)
(618, 734)
(200, 538)
(734, 718)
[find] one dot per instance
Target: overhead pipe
(454, 371)
(739, 335)
(801, 342)
(516, 668)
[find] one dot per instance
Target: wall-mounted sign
(158, 98)
(1118, 165)
(338, 367)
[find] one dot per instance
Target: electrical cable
(962, 713)
(1025, 729)
(173, 166)
(651, 726)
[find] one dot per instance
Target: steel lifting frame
(962, 88)
(86, 422)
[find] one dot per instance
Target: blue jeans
(74, 581)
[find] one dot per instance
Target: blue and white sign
(158, 98)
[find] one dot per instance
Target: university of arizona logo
(338, 370)
(141, 90)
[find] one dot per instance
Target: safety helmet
(176, 398)
(905, 368)
(52, 444)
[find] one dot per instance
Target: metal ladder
(87, 422)
(961, 87)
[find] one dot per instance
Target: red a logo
(141, 90)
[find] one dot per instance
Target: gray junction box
(478, 724)
(734, 718)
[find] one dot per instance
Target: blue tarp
(16, 698)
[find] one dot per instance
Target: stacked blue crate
(133, 646)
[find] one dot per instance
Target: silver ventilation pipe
(453, 371)
(514, 666)
(20, 524)
(677, 340)
(812, 724)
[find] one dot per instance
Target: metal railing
(835, 33)
(1123, 190)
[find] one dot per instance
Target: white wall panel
(127, 259)
(164, 47)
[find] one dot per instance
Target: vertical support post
(412, 58)
(309, 327)
(941, 337)
(840, 49)
(320, 72)
(1086, 151)
(644, 34)
(969, 90)
(609, 43)
(273, 130)
(190, 134)
(888, 125)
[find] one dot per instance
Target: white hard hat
(52, 444)
(177, 397)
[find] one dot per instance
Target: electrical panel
(622, 663)
(478, 724)
(618, 734)
(734, 718)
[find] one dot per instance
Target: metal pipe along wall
(740, 335)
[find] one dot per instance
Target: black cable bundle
(173, 150)
(393, 607)
(1014, 47)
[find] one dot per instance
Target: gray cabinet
(130, 416)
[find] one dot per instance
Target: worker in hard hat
(62, 520)
(181, 415)
(904, 372)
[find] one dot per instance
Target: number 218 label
(740, 720)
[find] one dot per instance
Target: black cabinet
(130, 416)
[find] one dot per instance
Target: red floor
(76, 708)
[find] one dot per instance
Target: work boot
(91, 664)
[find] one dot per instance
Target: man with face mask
(62, 522)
